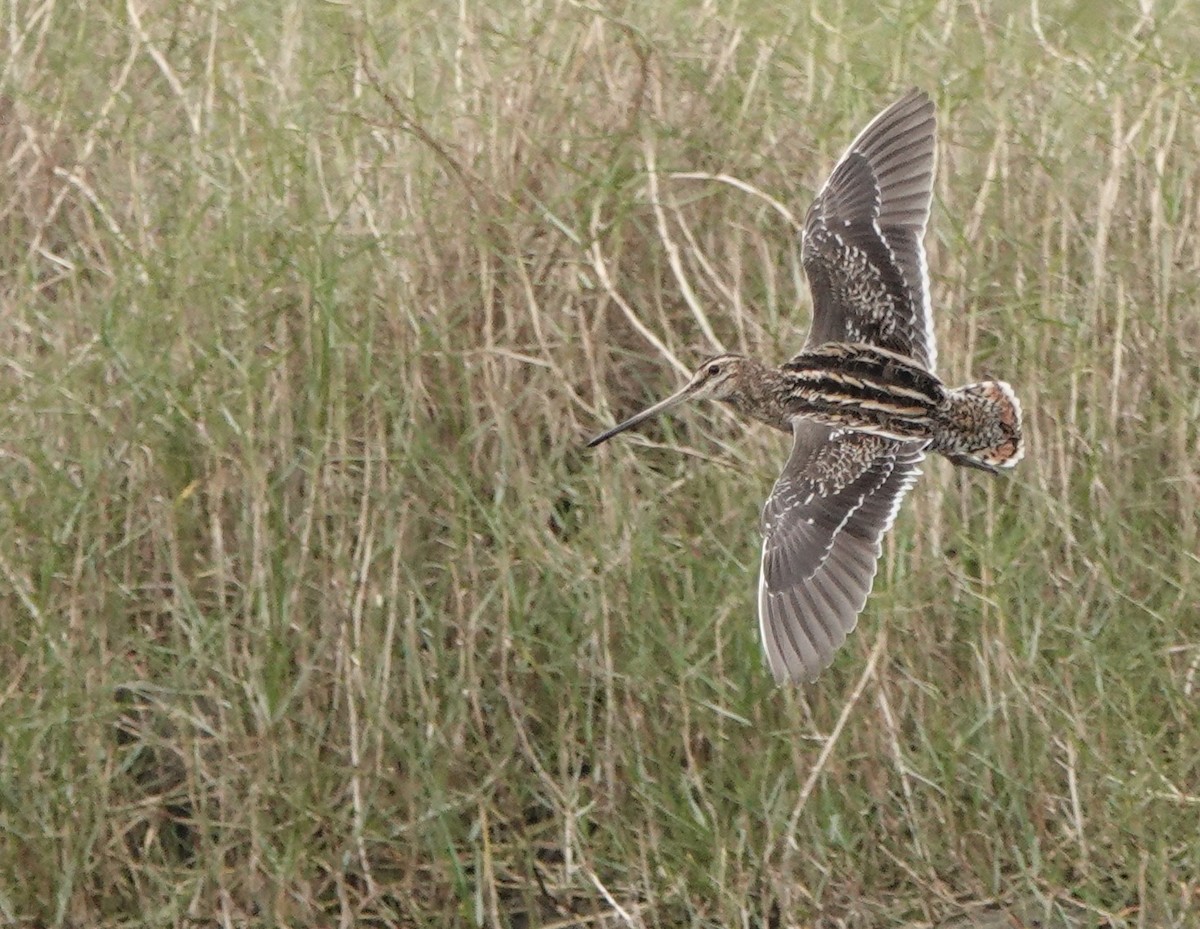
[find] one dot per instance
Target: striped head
(721, 377)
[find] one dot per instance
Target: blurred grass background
(316, 612)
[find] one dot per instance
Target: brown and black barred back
(866, 388)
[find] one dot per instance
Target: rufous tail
(996, 413)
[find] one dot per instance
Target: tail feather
(992, 414)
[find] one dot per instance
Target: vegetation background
(316, 611)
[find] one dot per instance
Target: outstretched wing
(822, 526)
(862, 247)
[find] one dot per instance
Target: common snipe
(861, 401)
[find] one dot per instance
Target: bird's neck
(761, 395)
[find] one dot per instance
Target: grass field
(315, 610)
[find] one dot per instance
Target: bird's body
(861, 400)
(873, 390)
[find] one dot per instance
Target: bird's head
(717, 378)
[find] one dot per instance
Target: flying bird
(861, 401)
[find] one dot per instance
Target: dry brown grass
(317, 611)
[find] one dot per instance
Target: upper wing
(822, 526)
(862, 247)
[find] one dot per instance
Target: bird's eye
(714, 370)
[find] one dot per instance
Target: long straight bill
(661, 407)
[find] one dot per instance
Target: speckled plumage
(862, 401)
